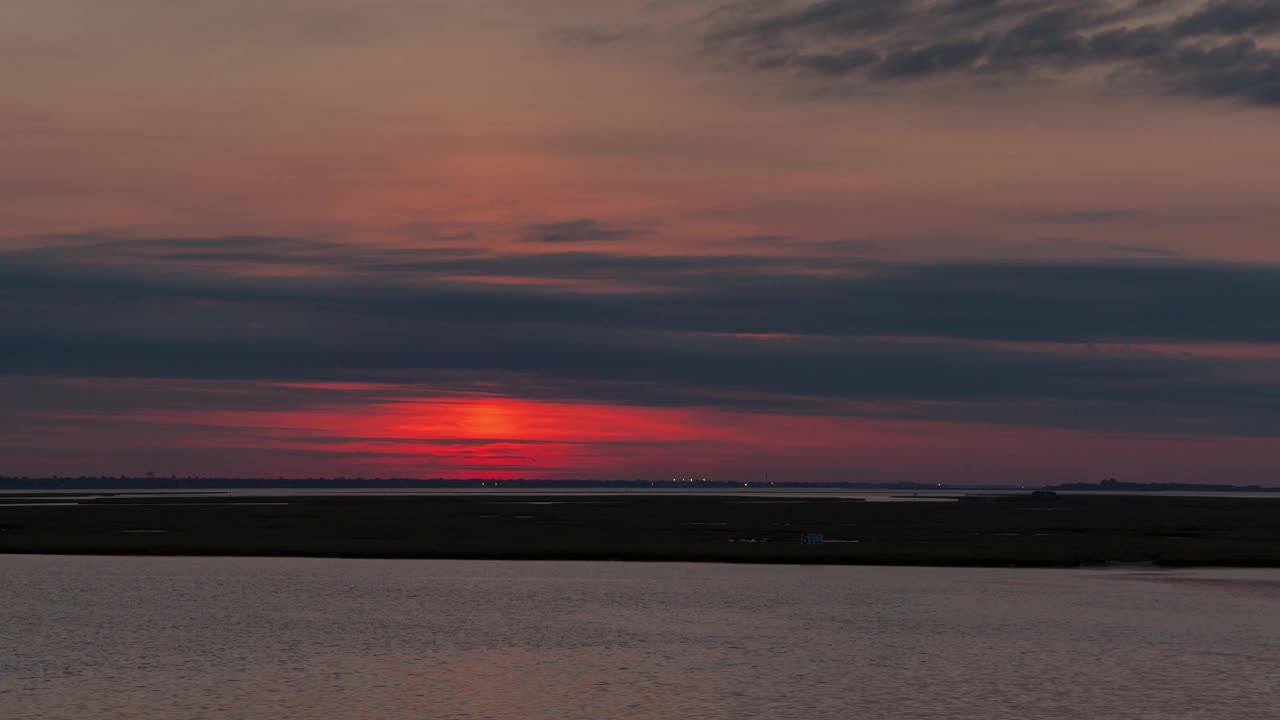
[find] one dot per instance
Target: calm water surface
(190, 638)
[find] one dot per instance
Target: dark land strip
(1063, 531)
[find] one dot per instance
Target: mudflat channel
(1019, 531)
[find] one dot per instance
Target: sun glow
(492, 419)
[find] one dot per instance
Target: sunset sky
(1016, 241)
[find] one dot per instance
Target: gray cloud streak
(1213, 49)
(583, 230)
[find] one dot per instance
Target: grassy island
(1061, 531)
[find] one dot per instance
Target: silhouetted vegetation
(1111, 484)
(1020, 530)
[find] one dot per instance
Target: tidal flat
(992, 531)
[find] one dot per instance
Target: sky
(940, 241)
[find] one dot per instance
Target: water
(133, 638)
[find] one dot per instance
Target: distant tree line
(1117, 485)
(125, 482)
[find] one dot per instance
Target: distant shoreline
(995, 531)
(177, 484)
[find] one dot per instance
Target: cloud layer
(1050, 343)
(1216, 49)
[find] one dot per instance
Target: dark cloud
(930, 59)
(829, 17)
(1002, 342)
(82, 243)
(1126, 216)
(231, 250)
(1209, 50)
(1232, 17)
(815, 249)
(743, 293)
(1131, 44)
(1235, 69)
(474, 441)
(1078, 247)
(1084, 217)
(582, 231)
(589, 36)
(836, 63)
